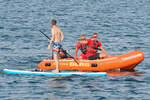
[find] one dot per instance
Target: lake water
(122, 25)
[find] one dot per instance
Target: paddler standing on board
(56, 39)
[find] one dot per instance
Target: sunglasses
(94, 36)
(82, 39)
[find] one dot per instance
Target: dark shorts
(93, 57)
(56, 47)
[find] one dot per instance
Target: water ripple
(122, 25)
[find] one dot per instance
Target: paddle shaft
(47, 37)
(44, 34)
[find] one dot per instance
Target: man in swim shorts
(56, 39)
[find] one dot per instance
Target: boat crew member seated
(92, 48)
(82, 45)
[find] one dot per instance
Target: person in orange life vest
(82, 44)
(93, 46)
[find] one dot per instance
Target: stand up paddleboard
(22, 72)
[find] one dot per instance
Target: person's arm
(76, 42)
(101, 47)
(52, 39)
(62, 35)
(76, 51)
(103, 50)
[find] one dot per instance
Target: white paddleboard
(22, 72)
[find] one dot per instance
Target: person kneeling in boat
(82, 45)
(92, 49)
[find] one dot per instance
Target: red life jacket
(83, 47)
(93, 48)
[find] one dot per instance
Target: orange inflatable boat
(124, 62)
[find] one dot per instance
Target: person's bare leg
(57, 63)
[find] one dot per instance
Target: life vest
(93, 48)
(83, 47)
(61, 53)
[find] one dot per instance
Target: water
(123, 26)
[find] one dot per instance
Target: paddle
(62, 48)
(49, 45)
(44, 34)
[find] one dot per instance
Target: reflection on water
(122, 25)
(80, 87)
(122, 73)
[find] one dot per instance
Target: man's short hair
(95, 33)
(82, 35)
(54, 22)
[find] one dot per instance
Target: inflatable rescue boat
(126, 61)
